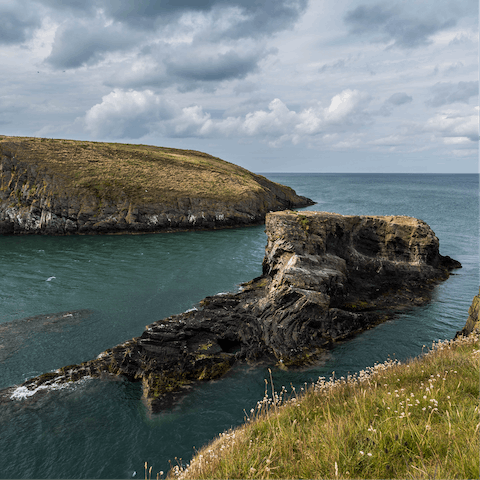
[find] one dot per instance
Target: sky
(272, 85)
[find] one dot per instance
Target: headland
(58, 187)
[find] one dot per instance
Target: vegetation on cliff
(414, 420)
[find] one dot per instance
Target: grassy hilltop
(141, 172)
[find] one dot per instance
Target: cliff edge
(325, 277)
(68, 187)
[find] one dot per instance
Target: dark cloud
(399, 98)
(258, 17)
(368, 19)
(17, 22)
(196, 66)
(81, 43)
(391, 24)
(190, 67)
(445, 93)
(77, 6)
(266, 17)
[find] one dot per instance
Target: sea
(100, 428)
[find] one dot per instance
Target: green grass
(414, 420)
(139, 173)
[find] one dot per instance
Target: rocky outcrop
(473, 321)
(325, 278)
(47, 195)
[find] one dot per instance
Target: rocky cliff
(325, 277)
(473, 320)
(67, 187)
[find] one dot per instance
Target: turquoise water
(100, 429)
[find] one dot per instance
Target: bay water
(100, 428)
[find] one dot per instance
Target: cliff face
(67, 187)
(473, 320)
(340, 274)
(325, 277)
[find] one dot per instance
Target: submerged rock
(325, 277)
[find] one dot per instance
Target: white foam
(49, 279)
(194, 309)
(21, 393)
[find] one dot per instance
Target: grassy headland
(64, 187)
(414, 420)
(142, 173)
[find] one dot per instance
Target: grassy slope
(415, 420)
(143, 173)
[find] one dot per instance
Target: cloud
(80, 43)
(128, 114)
(189, 67)
(399, 98)
(445, 93)
(454, 127)
(347, 107)
(196, 65)
(254, 18)
(247, 18)
(18, 21)
(133, 114)
(406, 24)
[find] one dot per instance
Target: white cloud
(454, 125)
(133, 114)
(127, 114)
(347, 107)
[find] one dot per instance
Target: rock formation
(68, 187)
(473, 320)
(325, 277)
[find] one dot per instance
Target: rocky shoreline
(325, 277)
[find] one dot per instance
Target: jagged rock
(325, 277)
(473, 321)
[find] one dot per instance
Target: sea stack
(325, 277)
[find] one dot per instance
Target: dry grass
(141, 173)
(413, 420)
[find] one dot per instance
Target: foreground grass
(413, 420)
(142, 173)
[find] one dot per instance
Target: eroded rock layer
(325, 277)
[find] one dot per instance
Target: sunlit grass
(413, 420)
(139, 173)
